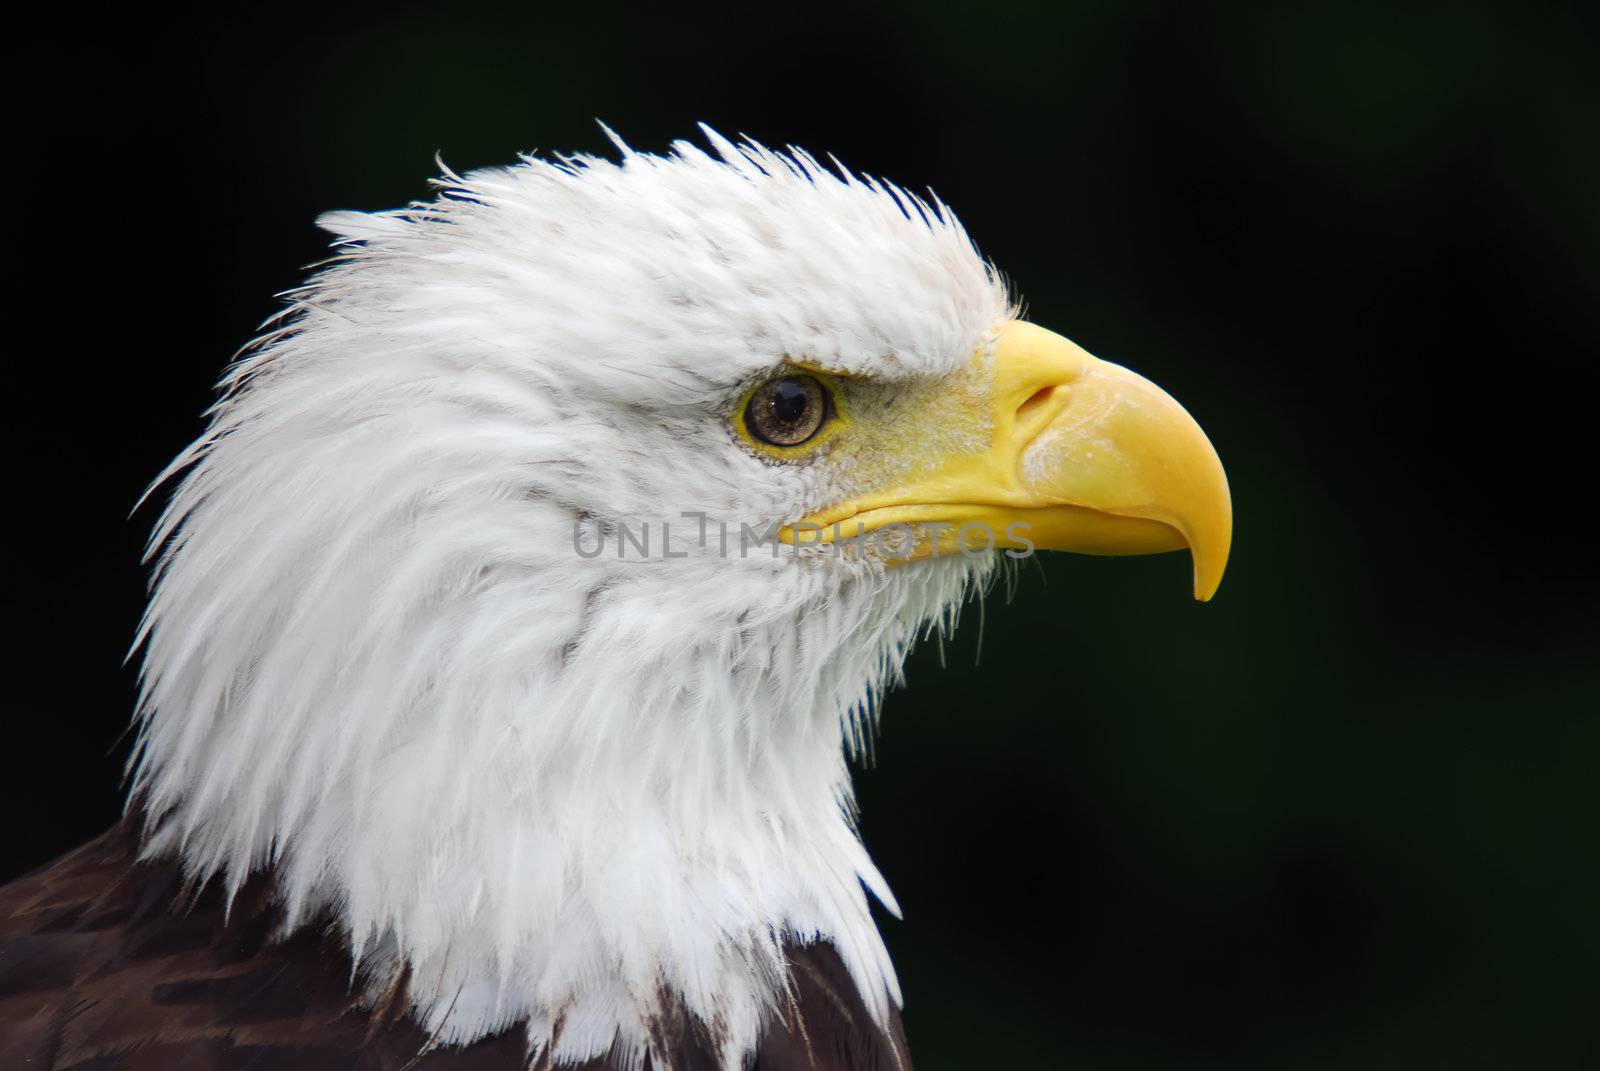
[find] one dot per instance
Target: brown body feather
(109, 964)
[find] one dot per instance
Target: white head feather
(555, 787)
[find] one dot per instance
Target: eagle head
(544, 561)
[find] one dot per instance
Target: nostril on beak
(1035, 400)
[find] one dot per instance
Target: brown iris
(787, 411)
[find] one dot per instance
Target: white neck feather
(558, 796)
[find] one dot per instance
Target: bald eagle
(515, 620)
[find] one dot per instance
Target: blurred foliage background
(1343, 817)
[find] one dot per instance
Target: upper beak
(1084, 456)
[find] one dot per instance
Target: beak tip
(1207, 575)
(1211, 540)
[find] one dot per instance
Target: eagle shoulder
(115, 964)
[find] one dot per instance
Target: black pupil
(789, 401)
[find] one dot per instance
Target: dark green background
(1343, 817)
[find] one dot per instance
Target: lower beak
(1084, 456)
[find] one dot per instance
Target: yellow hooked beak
(1084, 456)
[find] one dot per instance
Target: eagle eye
(787, 411)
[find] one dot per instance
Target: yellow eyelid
(837, 419)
